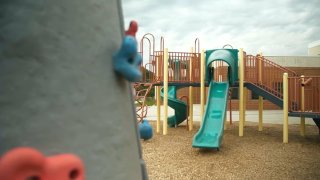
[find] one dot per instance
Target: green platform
(211, 132)
(179, 107)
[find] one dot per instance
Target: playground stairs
(317, 121)
(265, 78)
(265, 93)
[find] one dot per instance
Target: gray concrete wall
(58, 91)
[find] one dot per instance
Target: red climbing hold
(133, 28)
(29, 164)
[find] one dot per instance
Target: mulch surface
(256, 155)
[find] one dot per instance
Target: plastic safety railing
(311, 85)
(266, 74)
(179, 67)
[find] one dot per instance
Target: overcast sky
(275, 27)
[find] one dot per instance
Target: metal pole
(202, 88)
(241, 92)
(260, 97)
(158, 96)
(302, 119)
(165, 91)
(191, 93)
(285, 108)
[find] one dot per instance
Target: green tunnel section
(179, 107)
(230, 56)
(211, 132)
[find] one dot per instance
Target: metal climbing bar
(152, 67)
(141, 92)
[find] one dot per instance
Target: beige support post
(241, 94)
(260, 113)
(191, 94)
(165, 91)
(225, 121)
(202, 88)
(158, 97)
(158, 108)
(260, 97)
(285, 108)
(245, 96)
(302, 119)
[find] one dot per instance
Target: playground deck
(257, 155)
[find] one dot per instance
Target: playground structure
(60, 92)
(297, 95)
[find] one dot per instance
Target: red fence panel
(196, 67)
(266, 74)
(294, 97)
(178, 67)
(311, 94)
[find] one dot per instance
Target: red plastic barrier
(30, 164)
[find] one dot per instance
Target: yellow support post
(302, 118)
(245, 96)
(241, 94)
(202, 88)
(191, 94)
(165, 91)
(285, 108)
(260, 113)
(260, 97)
(225, 121)
(158, 108)
(158, 97)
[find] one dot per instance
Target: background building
(314, 48)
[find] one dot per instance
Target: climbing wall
(58, 90)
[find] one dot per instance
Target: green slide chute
(211, 132)
(179, 107)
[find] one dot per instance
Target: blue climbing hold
(127, 60)
(145, 130)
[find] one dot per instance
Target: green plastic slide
(211, 132)
(179, 107)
